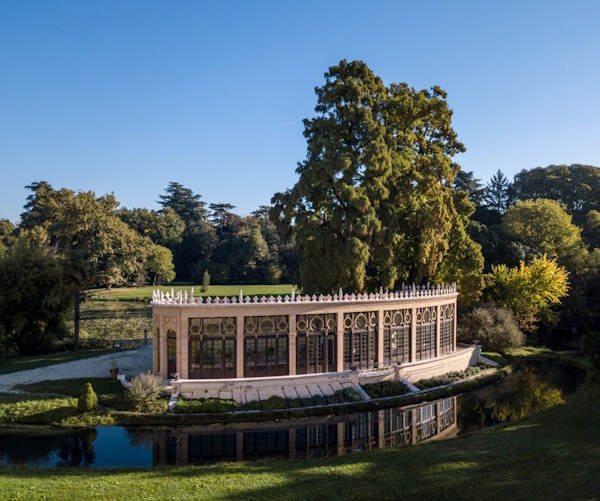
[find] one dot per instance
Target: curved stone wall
(244, 337)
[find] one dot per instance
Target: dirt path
(130, 362)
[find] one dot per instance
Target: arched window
(315, 343)
(396, 336)
(266, 346)
(212, 348)
(171, 351)
(425, 332)
(360, 340)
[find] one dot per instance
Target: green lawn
(145, 293)
(15, 364)
(552, 455)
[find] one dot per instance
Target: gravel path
(131, 363)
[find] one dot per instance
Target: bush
(449, 377)
(385, 389)
(270, 404)
(205, 281)
(590, 345)
(88, 400)
(204, 405)
(144, 391)
(493, 327)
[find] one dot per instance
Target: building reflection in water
(386, 428)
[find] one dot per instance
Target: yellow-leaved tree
(530, 291)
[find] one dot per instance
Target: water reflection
(530, 390)
(385, 428)
(107, 447)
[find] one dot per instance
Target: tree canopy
(374, 203)
(529, 291)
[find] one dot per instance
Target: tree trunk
(77, 300)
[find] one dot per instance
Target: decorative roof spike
(208, 300)
(185, 297)
(247, 299)
(329, 298)
(341, 294)
(335, 297)
(286, 299)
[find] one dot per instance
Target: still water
(532, 389)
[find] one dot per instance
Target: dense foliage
(493, 327)
(375, 204)
(379, 200)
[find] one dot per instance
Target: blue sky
(126, 96)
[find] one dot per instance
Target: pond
(531, 389)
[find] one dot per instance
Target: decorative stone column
(413, 334)
(339, 340)
(437, 330)
(292, 344)
(380, 338)
(239, 346)
(183, 348)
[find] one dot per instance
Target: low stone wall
(458, 361)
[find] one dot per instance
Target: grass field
(8, 365)
(145, 293)
(551, 455)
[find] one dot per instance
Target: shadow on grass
(552, 455)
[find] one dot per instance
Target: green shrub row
(450, 377)
(384, 389)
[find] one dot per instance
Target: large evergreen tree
(184, 202)
(497, 194)
(374, 203)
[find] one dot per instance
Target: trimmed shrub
(205, 282)
(88, 400)
(385, 389)
(145, 389)
(449, 377)
(495, 328)
(204, 405)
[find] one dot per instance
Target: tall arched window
(446, 329)
(266, 346)
(360, 340)
(157, 346)
(171, 351)
(212, 348)
(425, 332)
(396, 336)
(315, 343)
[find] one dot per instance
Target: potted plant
(114, 368)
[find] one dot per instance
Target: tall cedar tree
(374, 203)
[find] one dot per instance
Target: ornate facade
(242, 337)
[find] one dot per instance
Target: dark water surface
(532, 389)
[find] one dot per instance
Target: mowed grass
(145, 293)
(551, 455)
(15, 364)
(115, 320)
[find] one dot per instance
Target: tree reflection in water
(519, 395)
(78, 450)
